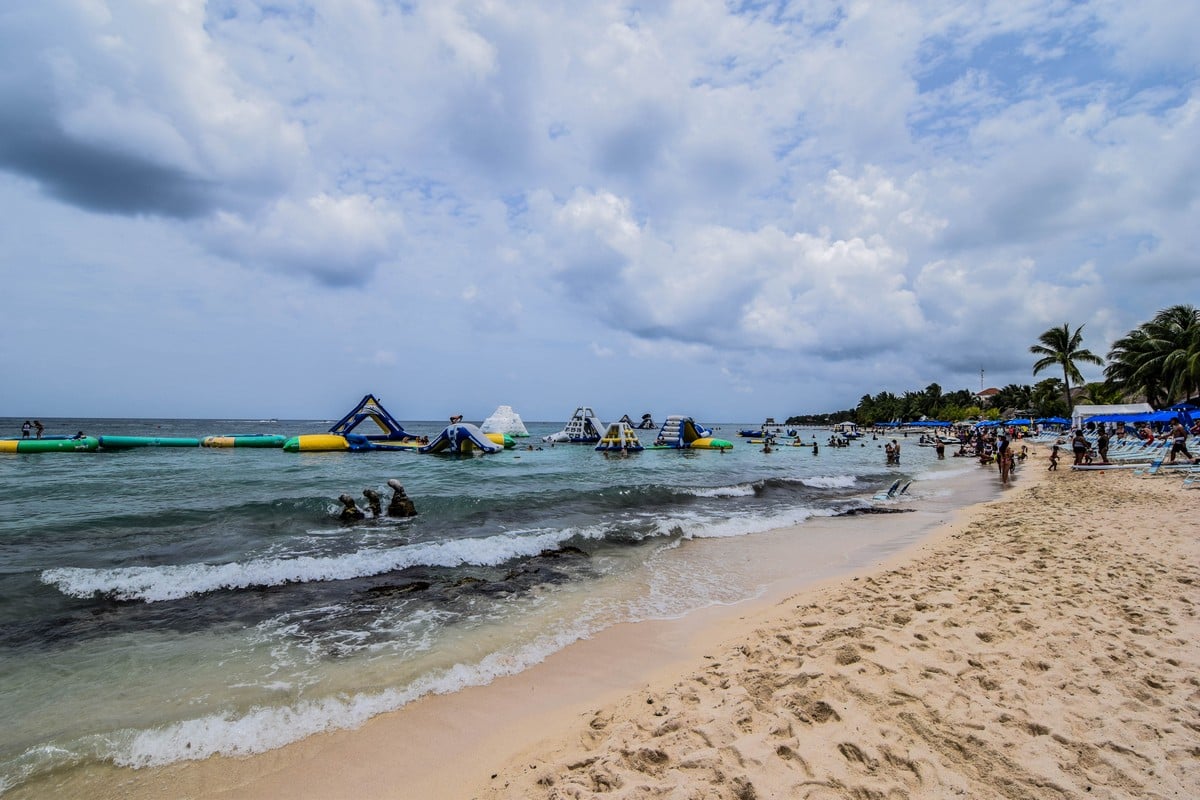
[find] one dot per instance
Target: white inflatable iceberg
(504, 420)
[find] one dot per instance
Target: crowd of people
(401, 505)
(1090, 447)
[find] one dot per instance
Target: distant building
(985, 397)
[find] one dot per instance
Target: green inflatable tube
(87, 444)
(126, 442)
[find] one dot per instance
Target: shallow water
(162, 604)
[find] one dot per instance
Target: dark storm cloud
(97, 177)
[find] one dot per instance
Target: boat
(504, 420)
(620, 437)
(847, 429)
(584, 427)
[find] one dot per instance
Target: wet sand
(1042, 645)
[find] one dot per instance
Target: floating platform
(316, 443)
(274, 440)
(61, 444)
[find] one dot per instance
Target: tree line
(1157, 362)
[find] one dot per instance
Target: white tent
(1080, 413)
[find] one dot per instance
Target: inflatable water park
(369, 427)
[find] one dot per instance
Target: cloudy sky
(729, 210)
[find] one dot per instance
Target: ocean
(165, 604)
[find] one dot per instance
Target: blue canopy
(1053, 421)
(1147, 416)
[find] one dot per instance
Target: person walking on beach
(1053, 459)
(1003, 455)
(1079, 446)
(1102, 444)
(39, 427)
(25, 429)
(1179, 442)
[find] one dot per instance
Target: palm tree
(1176, 330)
(1160, 358)
(1062, 348)
(1135, 366)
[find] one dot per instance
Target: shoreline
(1044, 645)
(870, 680)
(567, 682)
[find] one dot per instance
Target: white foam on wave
(946, 474)
(830, 481)
(173, 582)
(744, 525)
(739, 490)
(261, 729)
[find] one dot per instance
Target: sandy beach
(1042, 645)
(1045, 646)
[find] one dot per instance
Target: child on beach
(1053, 459)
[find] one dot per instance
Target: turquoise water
(163, 604)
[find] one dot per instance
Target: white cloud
(336, 240)
(861, 191)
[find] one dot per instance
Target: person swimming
(350, 510)
(373, 502)
(401, 504)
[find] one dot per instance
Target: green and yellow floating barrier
(245, 440)
(87, 444)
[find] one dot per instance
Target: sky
(729, 210)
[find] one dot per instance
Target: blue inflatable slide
(461, 439)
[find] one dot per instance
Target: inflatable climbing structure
(679, 432)
(462, 439)
(584, 427)
(388, 435)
